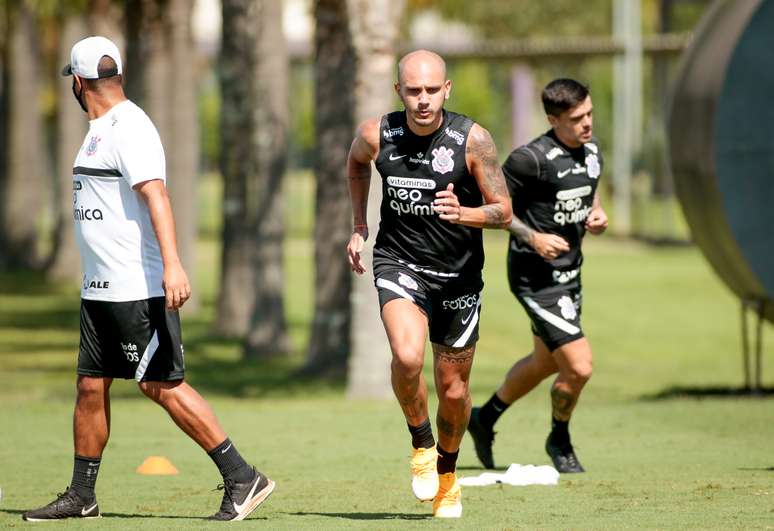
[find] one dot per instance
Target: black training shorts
(138, 340)
(555, 314)
(452, 304)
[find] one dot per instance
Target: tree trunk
(161, 77)
(374, 26)
(71, 129)
(253, 80)
(329, 344)
(22, 193)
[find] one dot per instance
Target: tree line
(354, 54)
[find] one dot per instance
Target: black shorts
(138, 340)
(452, 304)
(555, 314)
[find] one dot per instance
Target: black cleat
(240, 499)
(483, 438)
(68, 504)
(564, 458)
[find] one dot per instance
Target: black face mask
(79, 96)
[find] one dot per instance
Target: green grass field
(661, 325)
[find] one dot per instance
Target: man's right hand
(548, 246)
(355, 247)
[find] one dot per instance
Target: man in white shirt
(133, 285)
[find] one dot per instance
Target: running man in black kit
(441, 184)
(553, 181)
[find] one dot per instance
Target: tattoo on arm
(562, 404)
(520, 229)
(482, 148)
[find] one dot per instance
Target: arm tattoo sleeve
(482, 147)
(520, 229)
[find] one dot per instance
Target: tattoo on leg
(448, 429)
(562, 404)
(454, 354)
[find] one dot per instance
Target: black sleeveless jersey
(413, 168)
(552, 189)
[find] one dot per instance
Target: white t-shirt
(120, 254)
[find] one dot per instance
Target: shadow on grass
(709, 392)
(368, 516)
(757, 469)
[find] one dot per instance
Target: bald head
(421, 62)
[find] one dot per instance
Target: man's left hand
(596, 223)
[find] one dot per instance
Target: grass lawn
(661, 327)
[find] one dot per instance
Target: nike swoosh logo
(393, 157)
(226, 449)
(86, 511)
(238, 507)
(465, 321)
(563, 173)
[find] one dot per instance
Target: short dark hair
(107, 72)
(562, 94)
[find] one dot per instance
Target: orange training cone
(157, 465)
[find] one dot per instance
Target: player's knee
(407, 362)
(152, 391)
(455, 392)
(580, 372)
(89, 388)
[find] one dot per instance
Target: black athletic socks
(491, 411)
(447, 461)
(85, 470)
(230, 463)
(560, 433)
(422, 435)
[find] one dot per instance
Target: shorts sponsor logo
(561, 174)
(77, 185)
(394, 157)
(395, 131)
(592, 166)
(407, 282)
(461, 303)
(405, 195)
(555, 152)
(130, 351)
(563, 277)
(455, 135)
(442, 160)
(567, 308)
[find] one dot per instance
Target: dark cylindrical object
(722, 144)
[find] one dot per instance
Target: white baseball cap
(85, 57)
